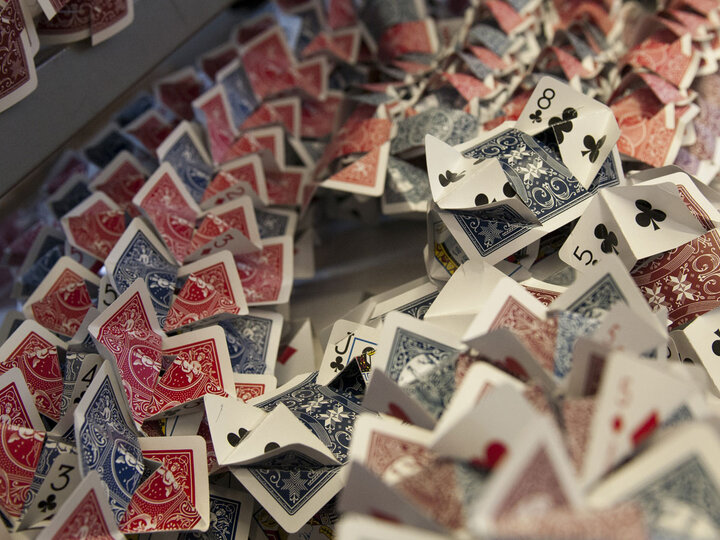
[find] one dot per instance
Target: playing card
(269, 63)
(214, 60)
(106, 293)
(56, 476)
(86, 512)
(94, 225)
(406, 188)
(232, 226)
(698, 341)
(21, 80)
(347, 340)
(356, 526)
(604, 284)
(628, 410)
(272, 222)
(384, 396)
(327, 417)
(486, 439)
(212, 290)
(633, 222)
(657, 481)
(239, 91)
(34, 350)
(451, 126)
(80, 370)
(584, 129)
(184, 150)
(413, 298)
(139, 254)
(175, 497)
(109, 142)
(120, 180)
(47, 247)
(16, 402)
(253, 341)
(201, 366)
(679, 280)
(267, 275)
(229, 421)
(213, 110)
(537, 473)
(69, 195)
(113, 17)
(107, 440)
(149, 129)
(297, 351)
(465, 292)
(230, 515)
(166, 202)
(236, 178)
(408, 347)
(127, 334)
(62, 299)
(364, 176)
(178, 90)
(252, 385)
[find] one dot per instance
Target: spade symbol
(716, 344)
(563, 124)
(648, 214)
(508, 190)
(449, 177)
(234, 439)
(271, 446)
(593, 147)
(609, 239)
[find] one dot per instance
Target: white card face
(359, 527)
(482, 435)
(634, 398)
(230, 420)
(585, 129)
(596, 235)
(652, 218)
(106, 293)
(479, 379)
(701, 342)
(347, 340)
(280, 432)
(624, 329)
(386, 397)
(298, 357)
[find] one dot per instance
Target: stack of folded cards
(553, 375)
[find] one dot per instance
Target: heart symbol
(397, 412)
(646, 428)
(494, 452)
(234, 439)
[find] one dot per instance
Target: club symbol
(234, 439)
(609, 239)
(593, 147)
(648, 214)
(563, 124)
(449, 177)
(481, 199)
(337, 364)
(536, 117)
(716, 343)
(49, 504)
